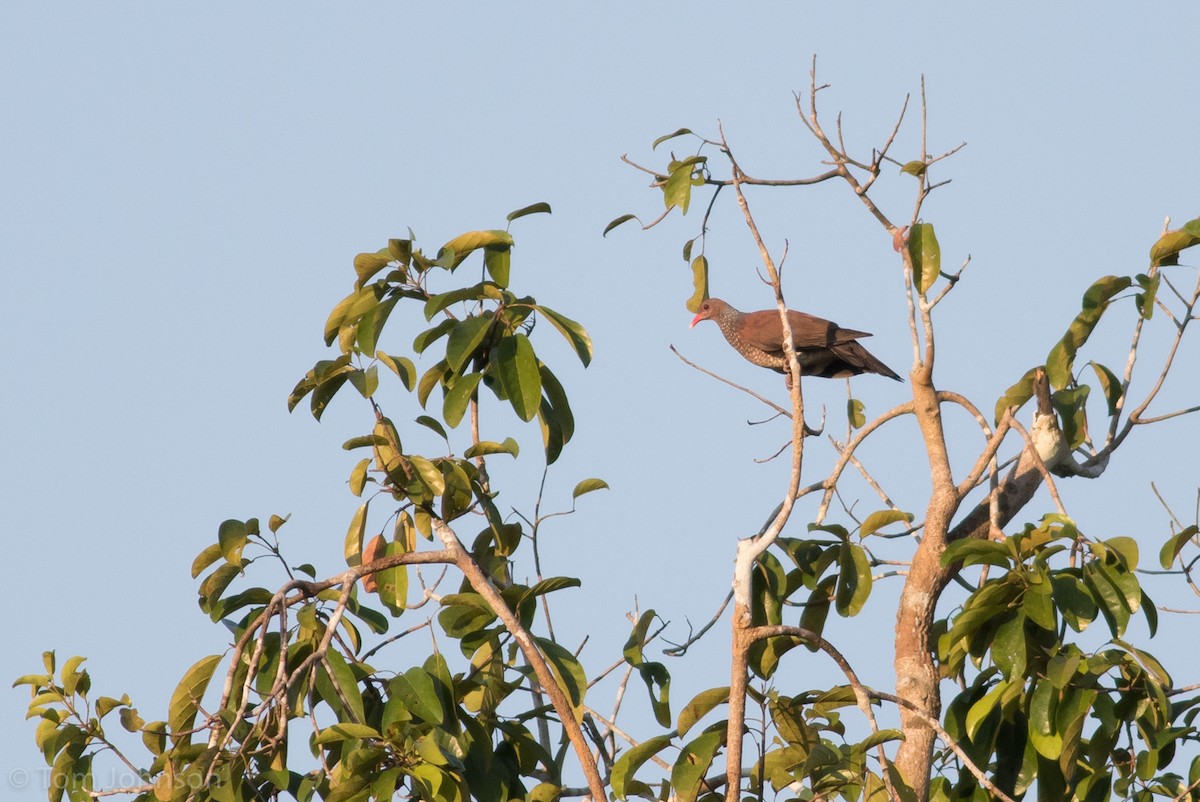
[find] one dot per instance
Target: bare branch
(681, 649)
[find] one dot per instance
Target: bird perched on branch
(822, 347)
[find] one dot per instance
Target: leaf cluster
(1040, 706)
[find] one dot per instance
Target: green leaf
(552, 433)
(1071, 406)
(556, 396)
(458, 395)
(587, 486)
(979, 712)
(130, 720)
(544, 792)
(926, 256)
(816, 610)
(1149, 662)
(656, 676)
(337, 315)
(364, 441)
(64, 768)
(465, 340)
(1126, 548)
(464, 615)
(215, 584)
(1061, 668)
(392, 583)
(672, 135)
(477, 292)
(1110, 384)
(567, 670)
(1112, 601)
(358, 476)
(1017, 395)
(701, 705)
(1170, 550)
(485, 447)
(498, 262)
(1125, 582)
(533, 208)
(1038, 605)
(431, 378)
(882, 736)
(107, 704)
(365, 381)
(551, 584)
(1074, 601)
(636, 641)
(400, 250)
(622, 780)
(338, 672)
(574, 333)
(432, 425)
(345, 731)
(71, 675)
(878, 520)
(1145, 299)
(854, 580)
(371, 324)
(1061, 359)
(1008, 647)
(457, 496)
(431, 475)
(625, 218)
(416, 689)
(402, 366)
(1042, 709)
(185, 701)
(515, 364)
(325, 393)
(430, 336)
(699, 284)
(693, 763)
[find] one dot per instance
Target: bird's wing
(764, 331)
(809, 331)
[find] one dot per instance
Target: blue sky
(183, 189)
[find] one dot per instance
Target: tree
(990, 606)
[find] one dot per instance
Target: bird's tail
(854, 354)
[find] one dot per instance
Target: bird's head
(710, 309)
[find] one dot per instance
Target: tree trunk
(916, 671)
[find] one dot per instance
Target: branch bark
(482, 585)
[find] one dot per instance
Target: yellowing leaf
(699, 284)
(461, 246)
(354, 536)
(926, 256)
(587, 486)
